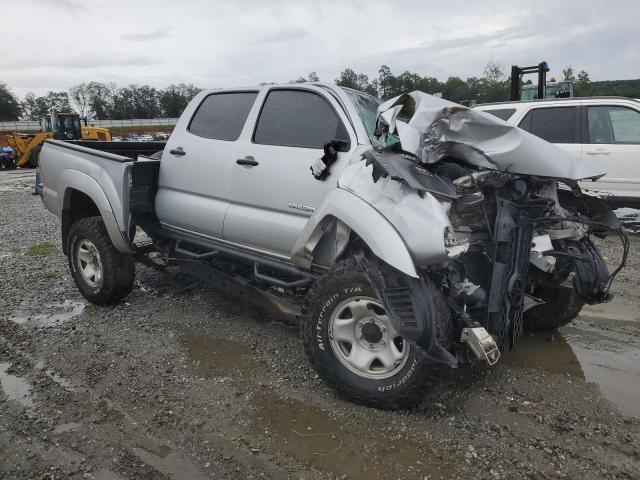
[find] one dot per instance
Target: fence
(30, 125)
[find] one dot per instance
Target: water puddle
(58, 313)
(15, 388)
(171, 464)
(617, 310)
(610, 360)
(215, 357)
(314, 438)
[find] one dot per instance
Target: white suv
(604, 129)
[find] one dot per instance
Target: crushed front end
(519, 248)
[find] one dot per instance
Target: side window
(221, 116)
(502, 113)
(555, 124)
(609, 124)
(298, 118)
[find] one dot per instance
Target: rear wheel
(102, 274)
(352, 343)
(561, 306)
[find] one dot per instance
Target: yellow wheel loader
(59, 126)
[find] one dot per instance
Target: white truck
(399, 235)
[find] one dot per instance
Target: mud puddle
(216, 357)
(15, 388)
(315, 439)
(58, 314)
(611, 361)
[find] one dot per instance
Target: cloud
(282, 36)
(145, 37)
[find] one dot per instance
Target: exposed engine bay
(519, 245)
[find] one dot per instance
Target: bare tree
(81, 96)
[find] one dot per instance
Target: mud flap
(413, 309)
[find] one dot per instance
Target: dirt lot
(182, 381)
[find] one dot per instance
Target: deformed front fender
(370, 225)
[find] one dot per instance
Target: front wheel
(561, 306)
(102, 274)
(352, 343)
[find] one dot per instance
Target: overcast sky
(53, 44)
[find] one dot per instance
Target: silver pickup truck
(401, 236)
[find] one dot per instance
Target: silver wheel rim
(363, 339)
(89, 263)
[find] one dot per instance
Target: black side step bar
(241, 287)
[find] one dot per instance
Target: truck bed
(127, 149)
(121, 177)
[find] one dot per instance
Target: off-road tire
(118, 270)
(561, 306)
(405, 389)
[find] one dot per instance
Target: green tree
(582, 86)
(9, 104)
(58, 102)
(312, 77)
(33, 108)
(387, 83)
(357, 81)
(568, 75)
(455, 89)
(100, 100)
(175, 98)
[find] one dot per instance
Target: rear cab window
(553, 124)
(221, 116)
(298, 118)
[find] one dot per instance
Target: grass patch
(15, 250)
(45, 248)
(50, 274)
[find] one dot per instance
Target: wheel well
(77, 205)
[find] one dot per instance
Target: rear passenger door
(197, 163)
(273, 192)
(613, 140)
(557, 125)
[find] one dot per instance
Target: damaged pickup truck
(401, 236)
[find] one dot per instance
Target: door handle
(248, 161)
(598, 152)
(177, 151)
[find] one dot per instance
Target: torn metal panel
(432, 128)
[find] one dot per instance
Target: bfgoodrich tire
(561, 306)
(354, 348)
(102, 274)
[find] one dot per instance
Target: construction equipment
(544, 89)
(59, 126)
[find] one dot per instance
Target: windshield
(367, 108)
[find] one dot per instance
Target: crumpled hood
(437, 128)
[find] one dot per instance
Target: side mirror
(341, 145)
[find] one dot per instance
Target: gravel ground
(181, 381)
